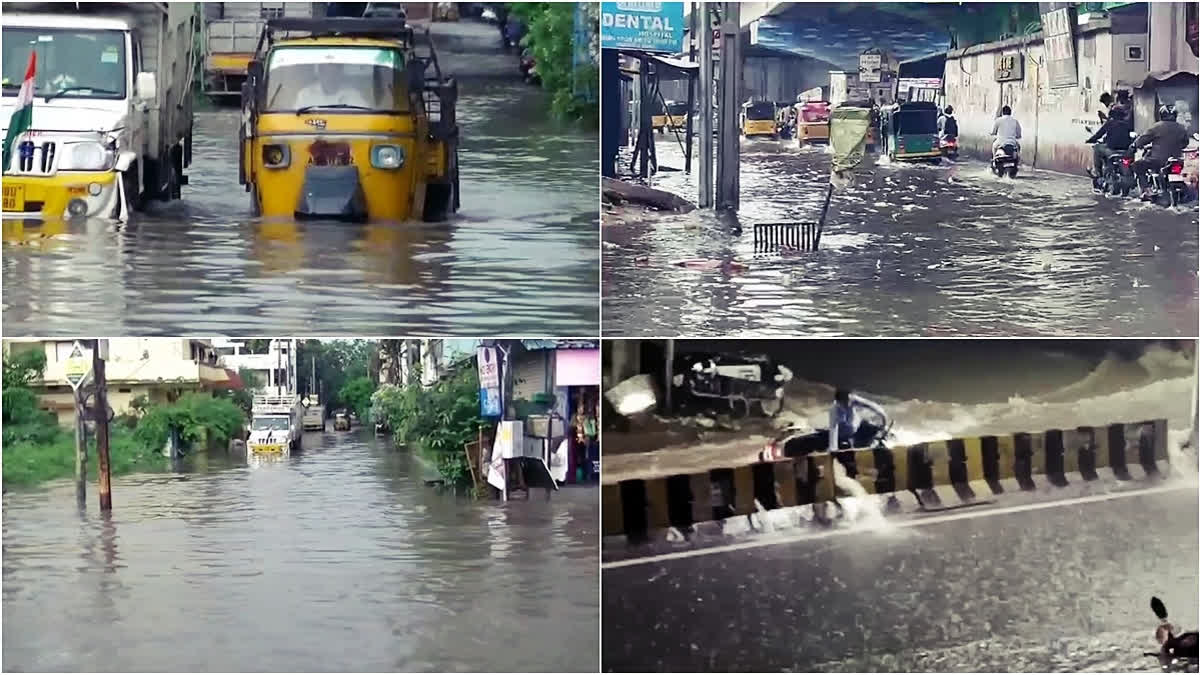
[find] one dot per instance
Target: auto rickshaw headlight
(277, 156)
(387, 157)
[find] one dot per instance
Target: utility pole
(728, 166)
(101, 412)
(704, 199)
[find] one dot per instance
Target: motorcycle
(1167, 185)
(1117, 177)
(949, 146)
(746, 383)
(1005, 160)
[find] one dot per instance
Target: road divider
(925, 477)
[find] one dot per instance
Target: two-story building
(160, 369)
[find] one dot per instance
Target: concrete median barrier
(932, 476)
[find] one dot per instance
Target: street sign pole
(80, 449)
(77, 370)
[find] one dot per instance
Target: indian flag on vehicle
(22, 116)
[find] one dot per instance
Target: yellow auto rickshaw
(758, 119)
(673, 116)
(348, 121)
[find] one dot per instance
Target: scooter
(949, 146)
(1005, 160)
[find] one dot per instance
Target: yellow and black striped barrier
(937, 474)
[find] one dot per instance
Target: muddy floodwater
(520, 257)
(909, 250)
(338, 558)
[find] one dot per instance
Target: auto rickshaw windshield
(353, 78)
(915, 121)
(676, 109)
(760, 111)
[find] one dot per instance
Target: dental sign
(644, 26)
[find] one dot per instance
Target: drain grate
(784, 238)
(793, 237)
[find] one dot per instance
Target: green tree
(356, 395)
(337, 362)
(21, 369)
(551, 39)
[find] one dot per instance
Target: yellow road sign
(78, 366)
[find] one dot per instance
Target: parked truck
(112, 106)
(231, 33)
(314, 413)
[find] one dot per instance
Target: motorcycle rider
(1006, 129)
(1167, 138)
(1116, 133)
(847, 429)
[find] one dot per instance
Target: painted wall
(1054, 121)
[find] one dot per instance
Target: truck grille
(36, 158)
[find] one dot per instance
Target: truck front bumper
(65, 195)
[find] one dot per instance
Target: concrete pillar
(705, 181)
(729, 157)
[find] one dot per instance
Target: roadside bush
(435, 422)
(197, 416)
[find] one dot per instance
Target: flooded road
(909, 250)
(519, 257)
(935, 390)
(336, 559)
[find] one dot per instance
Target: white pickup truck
(112, 106)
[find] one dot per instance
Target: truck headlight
(86, 156)
(277, 156)
(387, 157)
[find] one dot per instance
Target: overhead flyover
(839, 32)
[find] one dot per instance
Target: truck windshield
(70, 63)
(270, 423)
(345, 78)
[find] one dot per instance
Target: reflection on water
(338, 558)
(521, 253)
(909, 249)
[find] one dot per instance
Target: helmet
(1167, 112)
(949, 110)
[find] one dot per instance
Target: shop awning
(576, 367)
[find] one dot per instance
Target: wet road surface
(1065, 589)
(910, 250)
(336, 559)
(519, 257)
